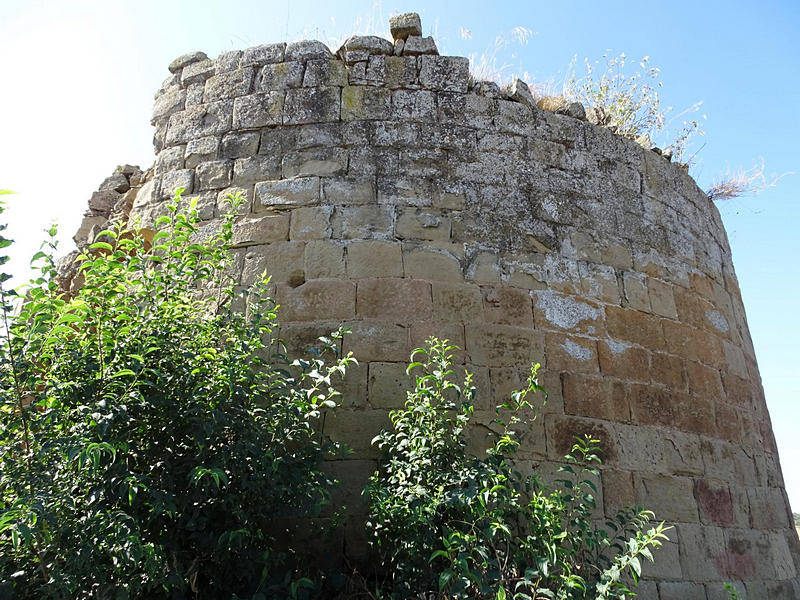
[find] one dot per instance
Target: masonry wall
(388, 192)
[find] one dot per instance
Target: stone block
(599, 282)
(317, 299)
(325, 73)
(371, 341)
(668, 370)
(231, 84)
(170, 159)
(171, 101)
(197, 72)
(444, 73)
(363, 222)
(416, 45)
(388, 384)
(401, 72)
(414, 105)
(253, 169)
(404, 25)
(395, 300)
(305, 50)
(507, 306)
(324, 260)
(662, 299)
(407, 191)
(432, 263)
(570, 353)
(280, 76)
(175, 180)
(315, 161)
(618, 491)
(485, 269)
(702, 552)
(374, 258)
(635, 294)
(705, 381)
(312, 105)
(185, 60)
(714, 502)
(311, 223)
(666, 563)
(199, 121)
(213, 175)
(669, 497)
(681, 590)
(734, 359)
(339, 191)
(200, 150)
(229, 61)
(622, 360)
(249, 231)
(503, 345)
(552, 310)
(365, 102)
(240, 145)
(283, 261)
(457, 302)
(520, 92)
(635, 326)
(264, 54)
(258, 110)
(596, 397)
(287, 193)
(422, 224)
(768, 508)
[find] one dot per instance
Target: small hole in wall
(296, 279)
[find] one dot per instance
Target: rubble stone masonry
(390, 193)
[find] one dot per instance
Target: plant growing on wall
(458, 526)
(154, 444)
(629, 102)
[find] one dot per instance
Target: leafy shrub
(459, 526)
(154, 441)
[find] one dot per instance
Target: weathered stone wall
(390, 193)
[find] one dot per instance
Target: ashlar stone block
(312, 105)
(365, 102)
(280, 76)
(444, 73)
(394, 300)
(287, 193)
(374, 258)
(311, 223)
(199, 121)
(324, 260)
(258, 110)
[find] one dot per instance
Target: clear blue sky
(78, 80)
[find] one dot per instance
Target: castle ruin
(390, 193)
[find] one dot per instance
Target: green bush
(154, 442)
(458, 526)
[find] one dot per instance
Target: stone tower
(389, 192)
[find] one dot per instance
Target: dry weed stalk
(734, 184)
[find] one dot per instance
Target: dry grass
(738, 183)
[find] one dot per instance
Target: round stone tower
(389, 192)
